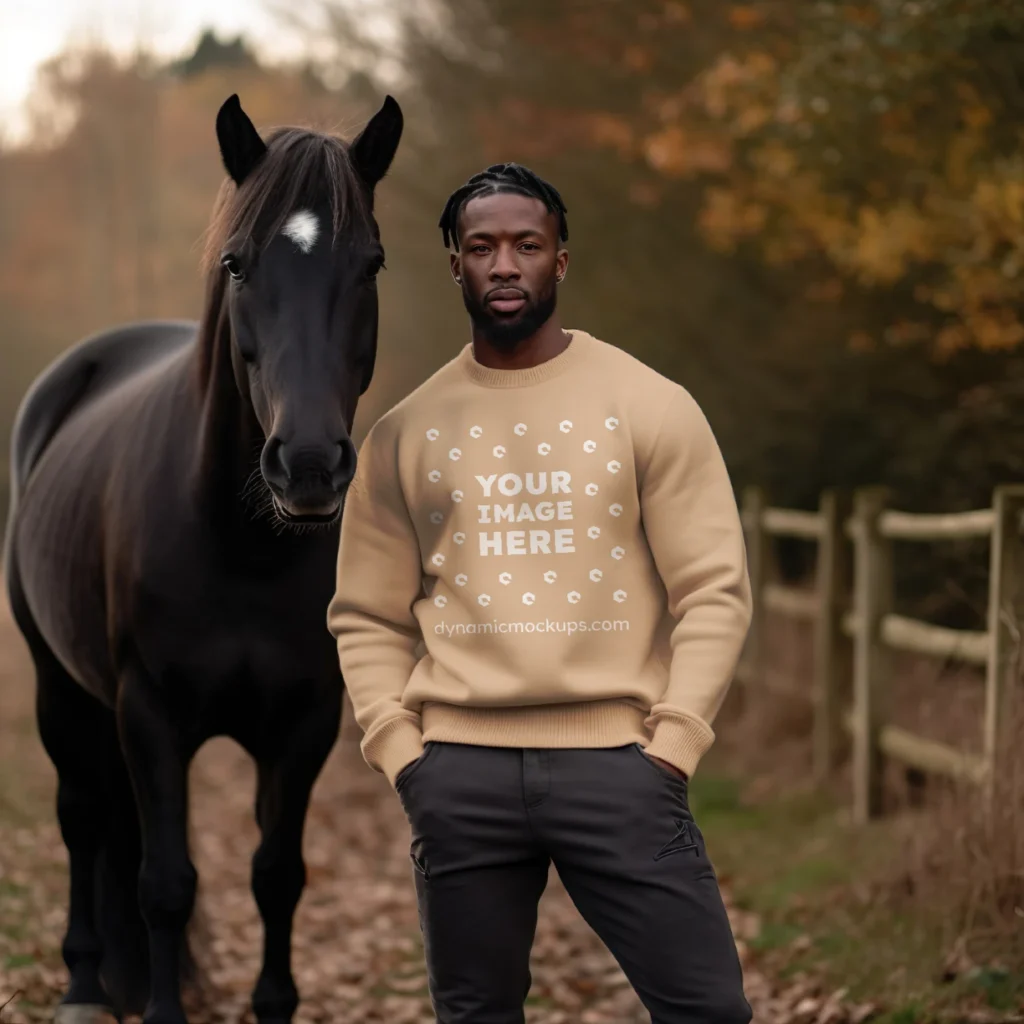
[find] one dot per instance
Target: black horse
(171, 550)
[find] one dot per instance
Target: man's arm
(379, 578)
(694, 532)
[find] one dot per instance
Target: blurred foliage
(884, 137)
(810, 214)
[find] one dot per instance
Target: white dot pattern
(457, 495)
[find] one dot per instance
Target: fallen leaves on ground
(357, 954)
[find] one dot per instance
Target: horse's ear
(240, 144)
(374, 148)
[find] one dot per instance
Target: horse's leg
(158, 760)
(285, 781)
(80, 737)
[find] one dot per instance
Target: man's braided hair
(501, 178)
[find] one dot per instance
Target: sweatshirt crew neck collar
(490, 377)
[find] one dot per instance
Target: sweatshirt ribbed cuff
(682, 740)
(398, 742)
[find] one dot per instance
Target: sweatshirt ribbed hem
(487, 376)
(682, 740)
(587, 724)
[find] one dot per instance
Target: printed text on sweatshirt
(544, 557)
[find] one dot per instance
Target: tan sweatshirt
(546, 557)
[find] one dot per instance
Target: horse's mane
(301, 168)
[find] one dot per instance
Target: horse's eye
(233, 267)
(375, 266)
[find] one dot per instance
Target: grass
(821, 887)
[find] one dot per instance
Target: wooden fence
(855, 627)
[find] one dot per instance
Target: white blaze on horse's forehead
(303, 229)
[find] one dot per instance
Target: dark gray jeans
(486, 824)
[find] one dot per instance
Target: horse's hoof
(84, 1013)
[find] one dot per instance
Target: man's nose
(505, 267)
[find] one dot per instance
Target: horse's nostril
(345, 463)
(273, 466)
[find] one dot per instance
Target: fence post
(832, 649)
(754, 504)
(1005, 621)
(872, 602)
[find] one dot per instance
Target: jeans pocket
(684, 840)
(402, 779)
(418, 857)
(663, 773)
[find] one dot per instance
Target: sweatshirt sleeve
(695, 535)
(379, 578)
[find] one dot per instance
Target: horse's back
(61, 458)
(82, 375)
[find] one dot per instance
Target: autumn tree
(883, 138)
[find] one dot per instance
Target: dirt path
(357, 952)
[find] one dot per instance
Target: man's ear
(561, 265)
(456, 267)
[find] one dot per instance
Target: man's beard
(507, 333)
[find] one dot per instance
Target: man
(553, 523)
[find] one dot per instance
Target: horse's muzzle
(308, 483)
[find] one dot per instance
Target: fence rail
(855, 627)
